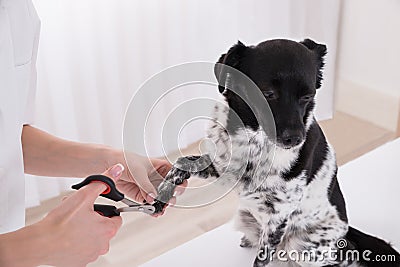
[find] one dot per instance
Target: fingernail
(116, 170)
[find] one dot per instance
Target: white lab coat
(19, 37)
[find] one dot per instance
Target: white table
(370, 184)
(371, 188)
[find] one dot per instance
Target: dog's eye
(269, 95)
(307, 98)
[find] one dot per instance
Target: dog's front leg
(270, 211)
(183, 168)
(270, 239)
(276, 206)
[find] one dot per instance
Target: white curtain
(94, 54)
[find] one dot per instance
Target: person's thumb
(147, 189)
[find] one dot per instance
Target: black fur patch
(314, 145)
(336, 198)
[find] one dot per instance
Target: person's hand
(140, 180)
(77, 234)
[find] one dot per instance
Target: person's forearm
(47, 155)
(24, 248)
(71, 234)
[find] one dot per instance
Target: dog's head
(287, 73)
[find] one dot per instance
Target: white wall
(368, 70)
(94, 54)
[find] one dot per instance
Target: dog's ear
(320, 51)
(233, 59)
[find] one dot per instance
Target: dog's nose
(291, 138)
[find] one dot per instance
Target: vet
(72, 234)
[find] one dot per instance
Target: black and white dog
(292, 201)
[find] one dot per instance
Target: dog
(290, 201)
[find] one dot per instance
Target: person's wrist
(138, 160)
(113, 156)
(100, 158)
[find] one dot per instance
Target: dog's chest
(248, 155)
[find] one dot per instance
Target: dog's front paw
(263, 258)
(260, 263)
(166, 189)
(182, 169)
(246, 243)
(178, 176)
(201, 166)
